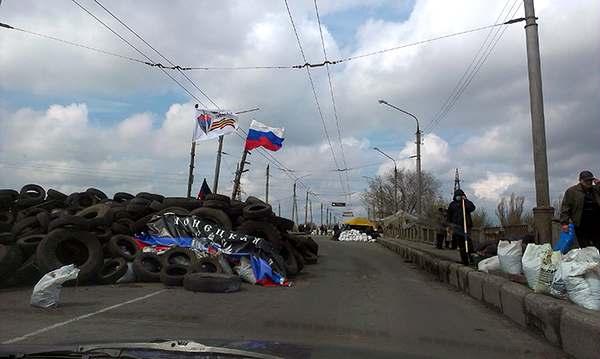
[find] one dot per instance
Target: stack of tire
(44, 230)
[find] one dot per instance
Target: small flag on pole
(261, 135)
(204, 190)
(212, 124)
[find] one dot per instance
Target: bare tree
(510, 211)
(481, 218)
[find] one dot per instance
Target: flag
(212, 124)
(261, 135)
(204, 190)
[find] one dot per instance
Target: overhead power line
(314, 91)
(335, 112)
(479, 59)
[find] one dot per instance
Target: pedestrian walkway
(447, 254)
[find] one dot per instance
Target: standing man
(581, 206)
(456, 223)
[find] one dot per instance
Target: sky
(71, 118)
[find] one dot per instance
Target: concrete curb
(574, 329)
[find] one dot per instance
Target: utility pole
(543, 212)
(267, 187)
(311, 213)
(327, 217)
(294, 207)
(238, 175)
(419, 175)
(279, 209)
(218, 164)
(306, 209)
(321, 213)
(191, 173)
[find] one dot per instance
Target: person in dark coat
(336, 232)
(456, 224)
(581, 206)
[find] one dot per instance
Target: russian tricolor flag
(261, 135)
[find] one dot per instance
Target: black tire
(291, 265)
(56, 195)
(308, 256)
(217, 197)
(44, 220)
(25, 225)
(257, 211)
(123, 246)
(141, 224)
(175, 210)
(311, 244)
(27, 274)
(141, 201)
(71, 221)
(97, 193)
(179, 255)
(252, 200)
(172, 275)
(6, 202)
(208, 264)
(80, 200)
(213, 216)
(120, 213)
(150, 196)
(216, 204)
(112, 270)
(28, 202)
(9, 193)
(283, 224)
(32, 191)
(156, 206)
(212, 282)
(7, 238)
(183, 202)
(300, 241)
(123, 226)
(103, 234)
(299, 259)
(98, 215)
(6, 221)
(65, 246)
(147, 267)
(29, 244)
(122, 197)
(29, 212)
(263, 230)
(236, 208)
(11, 258)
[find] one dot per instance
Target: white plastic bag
(47, 291)
(581, 270)
(549, 266)
(532, 261)
(488, 264)
(129, 276)
(509, 255)
(245, 271)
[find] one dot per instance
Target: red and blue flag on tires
(261, 135)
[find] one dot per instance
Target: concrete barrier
(492, 286)
(543, 315)
(476, 284)
(512, 296)
(580, 332)
(576, 330)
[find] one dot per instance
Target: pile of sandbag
(42, 231)
(355, 235)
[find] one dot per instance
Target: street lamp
(395, 177)
(418, 134)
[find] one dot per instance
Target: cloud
(493, 186)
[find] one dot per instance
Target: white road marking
(84, 316)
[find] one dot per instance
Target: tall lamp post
(418, 135)
(395, 177)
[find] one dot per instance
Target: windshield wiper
(182, 346)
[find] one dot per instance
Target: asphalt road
(359, 298)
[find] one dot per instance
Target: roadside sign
(338, 204)
(348, 214)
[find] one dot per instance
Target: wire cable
(312, 84)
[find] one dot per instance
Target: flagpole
(238, 175)
(218, 165)
(191, 173)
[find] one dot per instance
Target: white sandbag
(488, 264)
(245, 271)
(46, 292)
(509, 255)
(549, 266)
(558, 288)
(129, 276)
(532, 261)
(581, 269)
